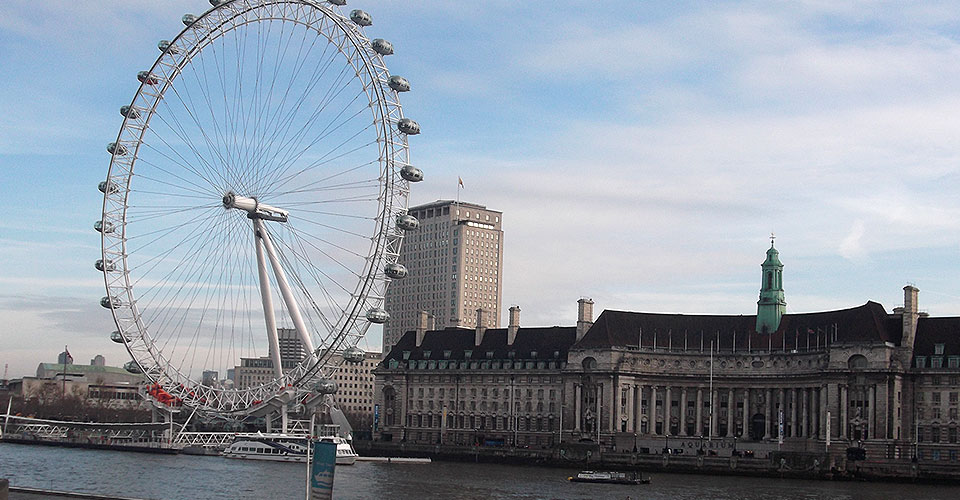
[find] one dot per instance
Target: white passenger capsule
(129, 112)
(325, 386)
(395, 271)
(103, 186)
(132, 367)
(354, 355)
(382, 47)
(408, 126)
(377, 315)
(118, 337)
(102, 227)
(147, 78)
(188, 19)
(360, 17)
(338, 2)
(407, 222)
(109, 302)
(166, 46)
(105, 265)
(116, 149)
(411, 173)
(217, 3)
(399, 83)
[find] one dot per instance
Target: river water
(151, 476)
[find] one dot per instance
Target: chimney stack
(584, 317)
(481, 327)
(911, 312)
(431, 322)
(422, 326)
(514, 324)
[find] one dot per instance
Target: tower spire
(772, 305)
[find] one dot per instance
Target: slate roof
(545, 341)
(866, 323)
(932, 331)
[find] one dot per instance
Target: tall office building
(455, 263)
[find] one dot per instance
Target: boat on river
(611, 477)
(284, 448)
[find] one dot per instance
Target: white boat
(284, 448)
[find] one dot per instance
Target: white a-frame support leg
(267, 299)
(292, 308)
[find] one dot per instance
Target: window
(938, 349)
(920, 362)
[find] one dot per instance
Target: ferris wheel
(255, 202)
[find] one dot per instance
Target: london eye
(258, 184)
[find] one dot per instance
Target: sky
(641, 152)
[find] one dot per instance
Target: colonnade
(685, 410)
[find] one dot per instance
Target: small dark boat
(612, 477)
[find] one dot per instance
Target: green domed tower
(771, 306)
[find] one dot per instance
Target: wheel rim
(304, 121)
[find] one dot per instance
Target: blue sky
(641, 152)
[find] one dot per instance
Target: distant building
(888, 382)
(291, 347)
(355, 393)
(64, 358)
(100, 385)
(455, 264)
(210, 377)
(98, 360)
(256, 371)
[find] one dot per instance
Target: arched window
(857, 362)
(589, 363)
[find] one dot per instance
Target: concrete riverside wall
(585, 456)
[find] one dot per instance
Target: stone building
(497, 386)
(355, 393)
(455, 260)
(862, 376)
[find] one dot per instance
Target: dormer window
(406, 354)
(533, 354)
(446, 354)
(938, 349)
(467, 354)
(426, 354)
(512, 354)
(489, 354)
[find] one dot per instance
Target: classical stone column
(714, 414)
(731, 412)
(683, 411)
(629, 410)
(843, 412)
(895, 413)
(637, 407)
(576, 406)
(699, 412)
(805, 408)
(653, 410)
(745, 431)
(822, 411)
(872, 422)
(883, 410)
(667, 409)
(793, 412)
(768, 412)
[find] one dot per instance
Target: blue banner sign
(321, 470)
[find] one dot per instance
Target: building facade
(857, 377)
(455, 264)
(355, 390)
(497, 386)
